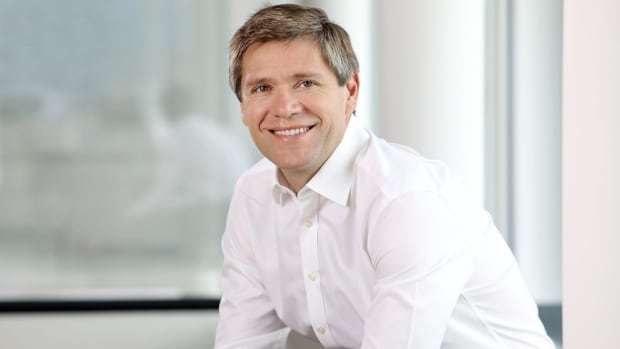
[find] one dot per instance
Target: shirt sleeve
(247, 317)
(422, 259)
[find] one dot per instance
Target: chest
(314, 262)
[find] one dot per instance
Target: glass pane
(118, 153)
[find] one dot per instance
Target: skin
(293, 106)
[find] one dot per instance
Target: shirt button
(312, 276)
(308, 223)
(321, 330)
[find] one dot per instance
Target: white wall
(591, 174)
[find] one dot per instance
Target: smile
(291, 132)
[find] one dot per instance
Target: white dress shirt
(376, 251)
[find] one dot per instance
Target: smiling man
(349, 240)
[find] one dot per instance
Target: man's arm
(247, 317)
(422, 259)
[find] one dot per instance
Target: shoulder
(397, 184)
(256, 182)
(394, 170)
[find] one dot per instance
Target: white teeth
(292, 132)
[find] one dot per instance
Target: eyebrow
(254, 82)
(307, 76)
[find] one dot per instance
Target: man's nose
(285, 104)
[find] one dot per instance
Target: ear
(352, 87)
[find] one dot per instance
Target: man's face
(293, 106)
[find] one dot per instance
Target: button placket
(308, 240)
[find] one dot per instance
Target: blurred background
(120, 142)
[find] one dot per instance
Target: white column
(591, 174)
(431, 82)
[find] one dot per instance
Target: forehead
(289, 56)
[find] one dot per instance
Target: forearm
(229, 339)
(247, 315)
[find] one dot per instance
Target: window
(119, 146)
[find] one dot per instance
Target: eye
(261, 89)
(306, 83)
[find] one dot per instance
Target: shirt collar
(279, 191)
(334, 179)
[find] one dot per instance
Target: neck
(293, 181)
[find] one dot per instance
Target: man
(347, 239)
